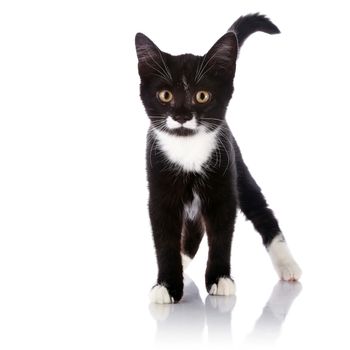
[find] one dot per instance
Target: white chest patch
(189, 152)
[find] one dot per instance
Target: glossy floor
(188, 320)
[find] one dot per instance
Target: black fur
(226, 183)
(247, 25)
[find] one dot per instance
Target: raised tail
(249, 24)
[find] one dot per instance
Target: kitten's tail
(249, 24)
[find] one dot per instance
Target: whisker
(165, 65)
(202, 69)
(208, 118)
(160, 74)
(204, 73)
(162, 68)
(209, 126)
(156, 118)
(227, 154)
(199, 67)
(165, 70)
(151, 150)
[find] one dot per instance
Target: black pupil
(202, 96)
(166, 95)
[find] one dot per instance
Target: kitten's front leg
(166, 221)
(220, 218)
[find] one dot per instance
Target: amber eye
(165, 96)
(202, 96)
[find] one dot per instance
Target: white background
(76, 254)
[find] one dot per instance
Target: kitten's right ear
(223, 53)
(148, 54)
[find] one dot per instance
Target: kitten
(196, 174)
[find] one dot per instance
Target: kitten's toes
(160, 295)
(288, 271)
(282, 259)
(224, 286)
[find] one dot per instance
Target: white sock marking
(282, 259)
(160, 295)
(225, 286)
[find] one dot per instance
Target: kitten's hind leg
(192, 234)
(255, 208)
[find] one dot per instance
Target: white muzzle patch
(189, 124)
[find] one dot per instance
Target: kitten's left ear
(150, 57)
(145, 47)
(223, 54)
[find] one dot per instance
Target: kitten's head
(185, 94)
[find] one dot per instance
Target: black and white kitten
(196, 174)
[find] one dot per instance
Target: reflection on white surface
(218, 314)
(185, 321)
(268, 326)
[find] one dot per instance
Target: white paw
(225, 286)
(160, 295)
(282, 259)
(185, 261)
(288, 271)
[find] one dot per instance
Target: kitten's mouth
(182, 131)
